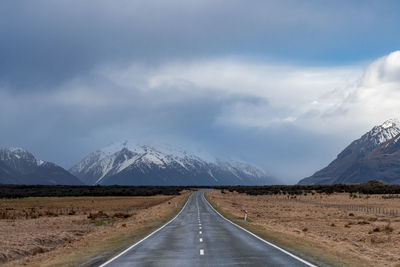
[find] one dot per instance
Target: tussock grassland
(329, 229)
(71, 231)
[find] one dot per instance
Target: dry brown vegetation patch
(39, 231)
(356, 238)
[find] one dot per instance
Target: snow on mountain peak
(392, 123)
(19, 154)
(384, 132)
(150, 152)
(125, 158)
(116, 157)
(17, 150)
(114, 147)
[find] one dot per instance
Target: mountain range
(374, 156)
(18, 166)
(146, 165)
(124, 164)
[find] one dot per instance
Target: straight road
(199, 236)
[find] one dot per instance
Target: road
(199, 236)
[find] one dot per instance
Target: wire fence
(349, 207)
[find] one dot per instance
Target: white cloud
(182, 98)
(251, 94)
(377, 96)
(319, 99)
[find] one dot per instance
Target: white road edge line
(137, 243)
(271, 244)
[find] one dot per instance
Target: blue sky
(285, 85)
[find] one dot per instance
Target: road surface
(199, 236)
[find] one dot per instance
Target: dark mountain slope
(374, 156)
(18, 166)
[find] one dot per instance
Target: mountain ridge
(19, 166)
(359, 161)
(149, 165)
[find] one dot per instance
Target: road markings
(201, 251)
(269, 243)
(199, 224)
(200, 232)
(199, 227)
(201, 239)
(137, 243)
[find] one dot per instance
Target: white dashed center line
(201, 251)
(199, 227)
(200, 232)
(201, 240)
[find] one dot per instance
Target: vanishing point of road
(199, 236)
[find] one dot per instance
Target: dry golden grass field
(70, 231)
(333, 230)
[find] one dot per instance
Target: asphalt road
(199, 236)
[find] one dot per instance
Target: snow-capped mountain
(19, 159)
(379, 134)
(365, 159)
(18, 166)
(146, 165)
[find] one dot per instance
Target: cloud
(323, 100)
(250, 94)
(247, 80)
(231, 106)
(376, 97)
(47, 43)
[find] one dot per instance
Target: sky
(285, 85)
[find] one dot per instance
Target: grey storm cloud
(249, 80)
(45, 42)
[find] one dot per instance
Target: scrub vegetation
(78, 231)
(334, 229)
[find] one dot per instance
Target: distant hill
(375, 156)
(18, 166)
(146, 165)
